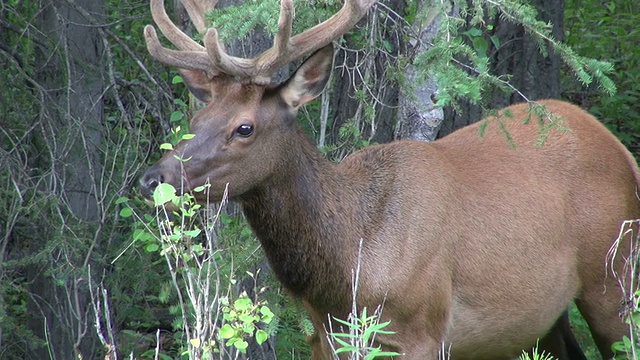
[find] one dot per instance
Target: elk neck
(307, 220)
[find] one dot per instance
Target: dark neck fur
(305, 220)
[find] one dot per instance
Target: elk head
(242, 132)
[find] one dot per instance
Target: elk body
(467, 241)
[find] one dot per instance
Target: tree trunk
(69, 67)
(419, 117)
(363, 96)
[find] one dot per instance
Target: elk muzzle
(153, 177)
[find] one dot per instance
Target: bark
(419, 117)
(69, 64)
(536, 76)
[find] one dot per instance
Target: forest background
(84, 110)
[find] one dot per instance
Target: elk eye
(245, 130)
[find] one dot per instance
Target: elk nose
(150, 181)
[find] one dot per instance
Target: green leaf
(481, 46)
(226, 331)
(163, 194)
(267, 315)
(121, 200)
(343, 322)
(166, 146)
(473, 32)
(387, 45)
(378, 354)
(176, 116)
(201, 188)
(248, 327)
(142, 235)
(345, 347)
(180, 158)
(495, 40)
(225, 219)
(195, 343)
(261, 336)
(153, 247)
(193, 233)
(197, 249)
(243, 303)
(241, 345)
(245, 231)
(177, 80)
(248, 319)
(126, 212)
(188, 136)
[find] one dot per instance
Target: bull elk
(467, 241)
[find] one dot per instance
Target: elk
(467, 241)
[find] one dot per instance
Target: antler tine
(190, 55)
(178, 38)
(285, 22)
(196, 10)
(183, 59)
(271, 60)
(230, 65)
(322, 34)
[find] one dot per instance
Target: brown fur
(466, 240)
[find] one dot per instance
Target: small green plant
(623, 349)
(242, 318)
(536, 355)
(359, 341)
(212, 323)
(180, 245)
(362, 329)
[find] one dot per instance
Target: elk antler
(197, 10)
(214, 61)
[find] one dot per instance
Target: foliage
(359, 341)
(361, 329)
(134, 258)
(242, 317)
(536, 355)
(582, 334)
(208, 318)
(292, 328)
(237, 22)
(609, 31)
(47, 246)
(459, 61)
(19, 202)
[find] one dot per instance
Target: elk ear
(198, 84)
(310, 78)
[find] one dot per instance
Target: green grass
(582, 334)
